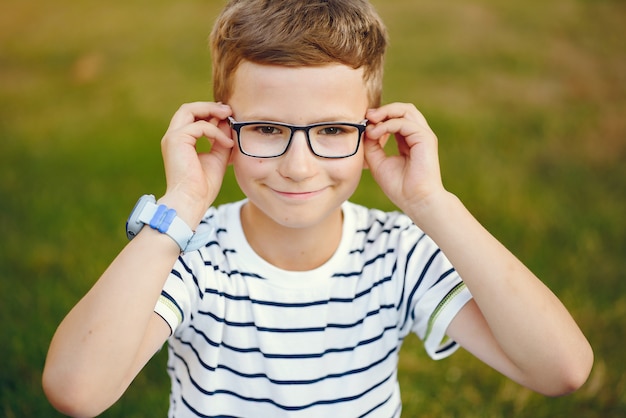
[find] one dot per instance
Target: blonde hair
(298, 33)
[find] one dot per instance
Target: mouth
(304, 195)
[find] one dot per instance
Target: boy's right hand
(194, 179)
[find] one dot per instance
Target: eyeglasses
(261, 139)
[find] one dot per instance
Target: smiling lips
(299, 195)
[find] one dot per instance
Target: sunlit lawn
(528, 100)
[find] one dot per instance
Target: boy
(295, 301)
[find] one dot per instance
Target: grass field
(528, 100)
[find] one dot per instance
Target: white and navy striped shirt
(252, 340)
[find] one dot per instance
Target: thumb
(374, 151)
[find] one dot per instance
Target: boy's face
(297, 189)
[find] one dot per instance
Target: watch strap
(165, 220)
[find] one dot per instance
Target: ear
(382, 141)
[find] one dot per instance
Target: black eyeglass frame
(236, 126)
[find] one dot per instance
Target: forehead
(298, 94)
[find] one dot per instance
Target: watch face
(132, 231)
(133, 224)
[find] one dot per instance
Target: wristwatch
(164, 220)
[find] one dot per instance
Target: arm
(515, 323)
(112, 332)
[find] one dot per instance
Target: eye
(268, 129)
(332, 130)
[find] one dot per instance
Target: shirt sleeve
(174, 303)
(184, 285)
(434, 292)
(168, 309)
(432, 326)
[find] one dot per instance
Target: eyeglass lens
(326, 140)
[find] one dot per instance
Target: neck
(295, 249)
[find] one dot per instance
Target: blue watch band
(164, 220)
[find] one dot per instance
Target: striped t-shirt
(252, 340)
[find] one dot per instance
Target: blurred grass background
(528, 100)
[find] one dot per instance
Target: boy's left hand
(412, 176)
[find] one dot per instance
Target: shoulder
(225, 231)
(373, 224)
(392, 236)
(218, 216)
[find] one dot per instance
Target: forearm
(529, 323)
(109, 335)
(515, 323)
(96, 349)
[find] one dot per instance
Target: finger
(396, 110)
(199, 129)
(410, 131)
(191, 112)
(219, 154)
(374, 153)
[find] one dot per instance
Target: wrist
(435, 210)
(166, 220)
(188, 209)
(162, 240)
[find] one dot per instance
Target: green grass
(528, 100)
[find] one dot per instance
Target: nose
(298, 163)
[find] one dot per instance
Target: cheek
(247, 169)
(347, 171)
